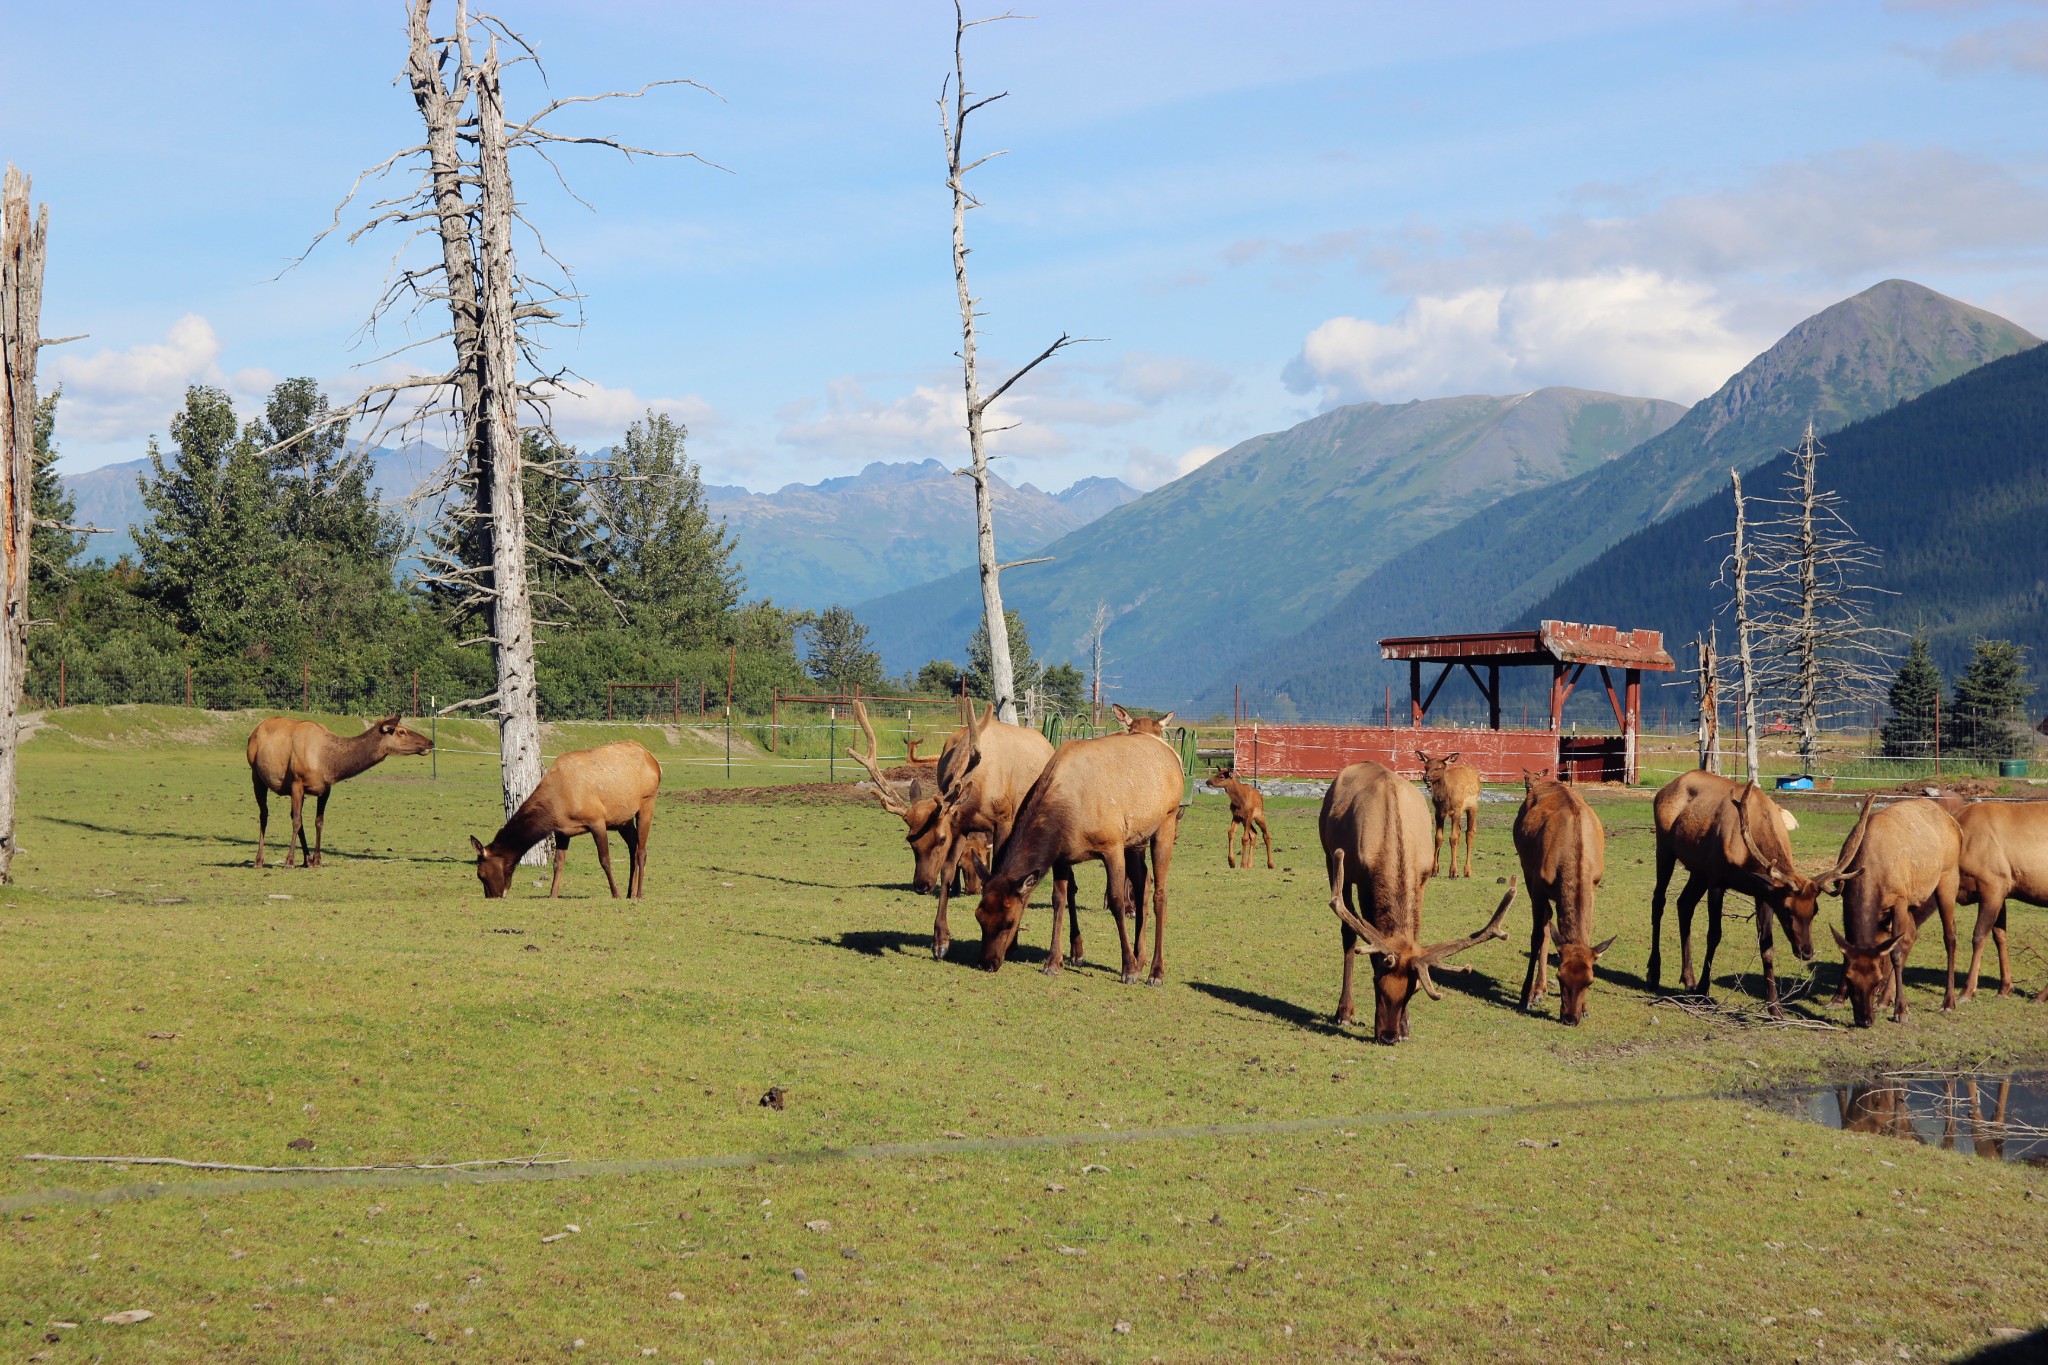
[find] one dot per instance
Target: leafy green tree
(1991, 696)
(50, 550)
(565, 555)
(937, 677)
(210, 551)
(840, 658)
(764, 628)
(324, 494)
(1023, 667)
(1915, 700)
(1064, 689)
(671, 564)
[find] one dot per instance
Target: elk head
(1789, 894)
(1575, 978)
(1866, 972)
(925, 830)
(493, 869)
(1401, 966)
(395, 740)
(1000, 911)
(1222, 778)
(1143, 725)
(1433, 768)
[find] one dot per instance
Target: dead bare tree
(462, 194)
(1736, 568)
(23, 249)
(956, 102)
(1096, 626)
(1707, 690)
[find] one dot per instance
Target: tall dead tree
(1096, 626)
(1737, 568)
(956, 102)
(497, 385)
(1707, 691)
(22, 252)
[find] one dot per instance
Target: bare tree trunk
(1742, 630)
(1095, 630)
(22, 253)
(1806, 625)
(1710, 703)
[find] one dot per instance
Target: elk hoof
(1129, 978)
(1155, 980)
(2004, 992)
(939, 949)
(1051, 969)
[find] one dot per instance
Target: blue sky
(1264, 209)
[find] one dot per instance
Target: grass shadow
(272, 846)
(1478, 986)
(796, 881)
(1272, 1006)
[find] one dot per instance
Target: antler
(1374, 939)
(884, 793)
(1776, 875)
(1444, 951)
(1831, 880)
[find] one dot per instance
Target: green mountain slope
(1255, 543)
(1853, 360)
(1951, 488)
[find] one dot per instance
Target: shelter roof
(1552, 642)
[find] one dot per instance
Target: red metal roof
(1566, 642)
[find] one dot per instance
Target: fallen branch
(536, 1160)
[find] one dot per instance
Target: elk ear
(916, 791)
(1123, 716)
(980, 866)
(1423, 756)
(1885, 944)
(478, 846)
(1600, 949)
(1453, 758)
(1167, 719)
(1840, 942)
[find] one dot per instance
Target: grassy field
(967, 1167)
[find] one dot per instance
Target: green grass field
(968, 1167)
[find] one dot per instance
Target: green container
(2012, 767)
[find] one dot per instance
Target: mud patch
(789, 794)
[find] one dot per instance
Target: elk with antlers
(1730, 838)
(1454, 793)
(1247, 810)
(1898, 866)
(927, 833)
(982, 786)
(2004, 857)
(1563, 849)
(304, 758)
(1373, 828)
(1115, 799)
(588, 791)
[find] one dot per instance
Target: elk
(982, 793)
(1114, 798)
(1897, 867)
(1143, 725)
(928, 836)
(1373, 828)
(303, 758)
(1730, 838)
(2005, 856)
(1247, 809)
(1563, 850)
(588, 791)
(1454, 792)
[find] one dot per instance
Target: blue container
(1802, 783)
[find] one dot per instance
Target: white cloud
(590, 414)
(1147, 468)
(122, 396)
(1194, 457)
(2018, 46)
(927, 421)
(1152, 379)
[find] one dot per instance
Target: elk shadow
(792, 881)
(961, 953)
(274, 845)
(2019, 1351)
(1477, 985)
(1272, 1006)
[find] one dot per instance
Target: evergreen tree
(671, 565)
(1915, 699)
(764, 628)
(565, 555)
(1024, 669)
(1063, 689)
(840, 658)
(50, 550)
(1990, 719)
(324, 493)
(210, 552)
(938, 677)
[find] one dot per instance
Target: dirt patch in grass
(789, 794)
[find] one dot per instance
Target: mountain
(847, 539)
(1254, 544)
(1951, 488)
(1892, 342)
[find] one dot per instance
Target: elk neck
(354, 754)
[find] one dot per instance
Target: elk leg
(1162, 857)
(1534, 984)
(942, 937)
(298, 828)
(1062, 894)
(1471, 820)
(643, 830)
(1945, 902)
(1135, 873)
(1063, 876)
(319, 824)
(601, 837)
(1909, 933)
(630, 832)
(1117, 898)
(1763, 950)
(262, 818)
(1437, 853)
(2004, 965)
(1990, 911)
(561, 855)
(1666, 860)
(1267, 830)
(1688, 900)
(1716, 897)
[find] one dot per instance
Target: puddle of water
(2003, 1117)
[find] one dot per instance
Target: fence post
(415, 692)
(678, 700)
(1937, 734)
(188, 687)
(306, 688)
(434, 737)
(607, 703)
(774, 715)
(60, 684)
(831, 744)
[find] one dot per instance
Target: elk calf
(1454, 792)
(2004, 857)
(1563, 849)
(302, 758)
(1898, 866)
(1373, 828)
(1247, 809)
(588, 791)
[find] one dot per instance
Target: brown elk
(1374, 827)
(928, 835)
(982, 793)
(1143, 725)
(2005, 857)
(1729, 838)
(1113, 799)
(1898, 866)
(1247, 810)
(302, 758)
(588, 791)
(1454, 793)
(1563, 849)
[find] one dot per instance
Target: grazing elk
(1454, 792)
(927, 834)
(1563, 849)
(1898, 866)
(1112, 798)
(1373, 828)
(1247, 809)
(1730, 838)
(303, 758)
(982, 785)
(2005, 857)
(588, 791)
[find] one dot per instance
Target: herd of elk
(1247, 811)
(302, 758)
(588, 791)
(1897, 867)
(1563, 849)
(1454, 793)
(1374, 829)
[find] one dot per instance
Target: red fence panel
(1325, 750)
